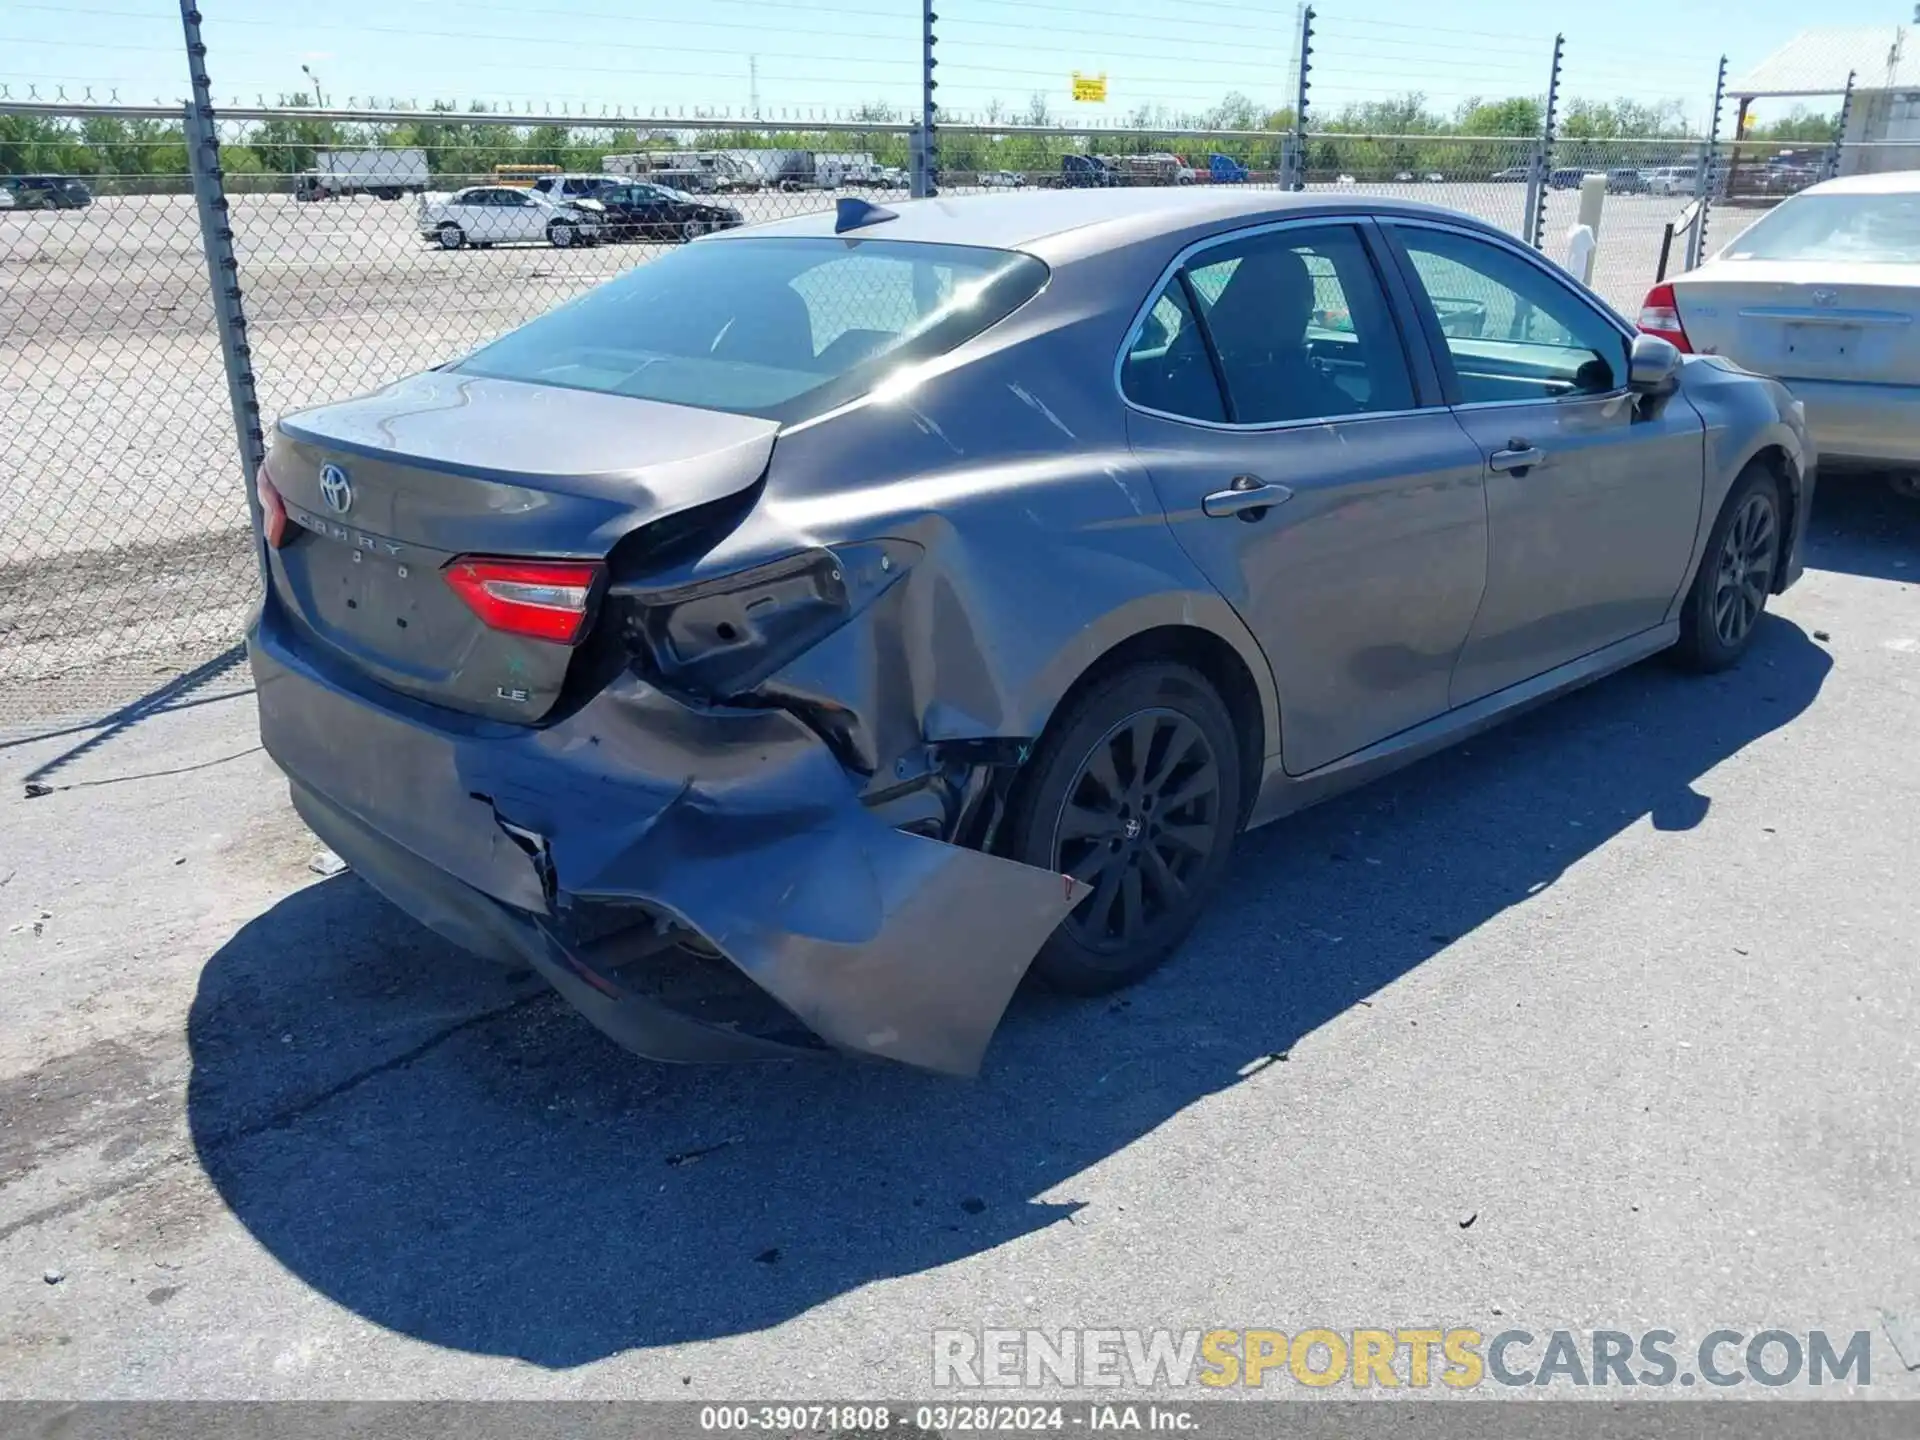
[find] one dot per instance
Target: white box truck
(854, 167)
(388, 174)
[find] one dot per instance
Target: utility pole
(1295, 176)
(925, 173)
(201, 131)
(1707, 183)
(1541, 177)
(753, 85)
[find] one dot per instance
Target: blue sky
(669, 56)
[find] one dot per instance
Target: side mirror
(1653, 366)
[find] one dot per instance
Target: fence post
(1296, 155)
(1840, 133)
(925, 176)
(1707, 181)
(1541, 173)
(202, 136)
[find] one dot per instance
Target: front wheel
(559, 235)
(1135, 791)
(1729, 593)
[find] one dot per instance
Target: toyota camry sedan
(799, 640)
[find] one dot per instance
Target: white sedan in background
(1822, 292)
(501, 214)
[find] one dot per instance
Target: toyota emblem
(335, 490)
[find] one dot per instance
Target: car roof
(1891, 182)
(1016, 220)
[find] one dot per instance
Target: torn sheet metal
(877, 940)
(740, 824)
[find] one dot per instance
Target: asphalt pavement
(1607, 1020)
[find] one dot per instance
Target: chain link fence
(369, 244)
(122, 528)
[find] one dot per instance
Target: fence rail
(137, 334)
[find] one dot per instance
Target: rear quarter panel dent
(1044, 542)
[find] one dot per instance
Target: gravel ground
(1605, 1021)
(120, 454)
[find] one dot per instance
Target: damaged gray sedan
(850, 615)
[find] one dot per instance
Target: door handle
(1249, 497)
(1518, 458)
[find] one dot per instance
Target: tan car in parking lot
(1824, 294)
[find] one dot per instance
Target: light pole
(319, 100)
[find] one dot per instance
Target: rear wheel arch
(1787, 473)
(1774, 447)
(1237, 679)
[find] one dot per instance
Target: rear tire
(1152, 832)
(450, 237)
(1737, 571)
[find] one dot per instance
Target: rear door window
(1166, 367)
(1301, 327)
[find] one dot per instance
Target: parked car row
(566, 210)
(1093, 172)
(43, 192)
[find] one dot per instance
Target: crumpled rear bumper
(738, 824)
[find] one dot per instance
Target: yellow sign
(1091, 88)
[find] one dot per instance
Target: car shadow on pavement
(454, 1155)
(1861, 527)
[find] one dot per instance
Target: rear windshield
(1872, 229)
(778, 328)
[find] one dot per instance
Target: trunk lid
(1785, 318)
(384, 492)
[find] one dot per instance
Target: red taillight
(1660, 315)
(273, 510)
(540, 599)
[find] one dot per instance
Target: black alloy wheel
(1743, 555)
(1140, 821)
(1135, 791)
(1744, 575)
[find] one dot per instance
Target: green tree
(133, 147)
(1235, 112)
(1517, 115)
(1623, 119)
(1800, 124)
(286, 145)
(29, 143)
